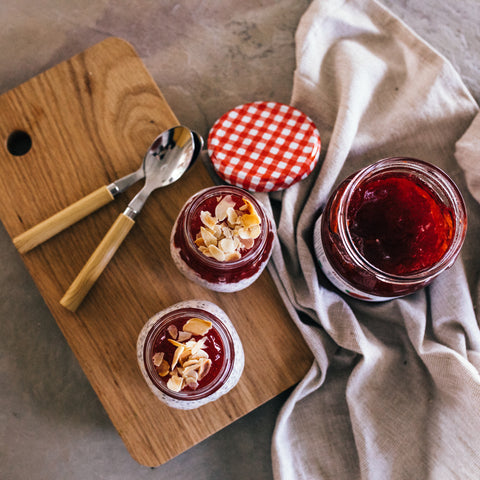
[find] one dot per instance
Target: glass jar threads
(190, 354)
(390, 229)
(222, 238)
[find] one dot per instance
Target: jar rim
(200, 198)
(436, 177)
(228, 354)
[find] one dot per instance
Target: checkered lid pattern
(263, 146)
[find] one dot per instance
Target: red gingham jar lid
(263, 146)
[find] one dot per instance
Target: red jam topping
(188, 354)
(398, 224)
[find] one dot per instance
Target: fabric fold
(395, 388)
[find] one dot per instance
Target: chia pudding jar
(161, 358)
(390, 229)
(221, 275)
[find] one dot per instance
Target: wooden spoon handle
(97, 262)
(62, 219)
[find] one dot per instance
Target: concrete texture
(206, 56)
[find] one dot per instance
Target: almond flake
(204, 368)
(255, 231)
(200, 354)
(232, 216)
(191, 382)
(191, 371)
(157, 358)
(249, 220)
(226, 245)
(163, 368)
(173, 331)
(185, 356)
(247, 242)
(208, 237)
(191, 362)
(199, 242)
(176, 356)
(223, 206)
(191, 342)
(218, 231)
(207, 219)
(197, 326)
(174, 342)
(198, 346)
(216, 253)
(175, 383)
(232, 257)
(184, 336)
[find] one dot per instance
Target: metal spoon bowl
(170, 155)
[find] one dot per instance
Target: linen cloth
(394, 391)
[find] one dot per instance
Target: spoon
(63, 219)
(169, 156)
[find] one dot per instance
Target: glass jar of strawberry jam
(390, 229)
(222, 238)
(190, 354)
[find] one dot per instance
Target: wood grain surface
(90, 120)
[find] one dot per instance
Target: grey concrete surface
(206, 56)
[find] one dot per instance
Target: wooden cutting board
(90, 120)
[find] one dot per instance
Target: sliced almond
(208, 237)
(204, 368)
(251, 218)
(200, 354)
(175, 383)
(227, 245)
(198, 346)
(232, 216)
(227, 232)
(247, 242)
(185, 356)
(218, 231)
(184, 336)
(173, 331)
(199, 242)
(176, 356)
(216, 253)
(164, 368)
(222, 207)
(191, 382)
(255, 231)
(191, 362)
(232, 257)
(174, 342)
(197, 326)
(207, 219)
(158, 358)
(191, 371)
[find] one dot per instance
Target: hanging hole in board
(19, 143)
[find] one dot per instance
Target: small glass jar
(223, 347)
(390, 229)
(220, 276)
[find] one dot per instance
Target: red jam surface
(390, 229)
(220, 272)
(398, 224)
(213, 347)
